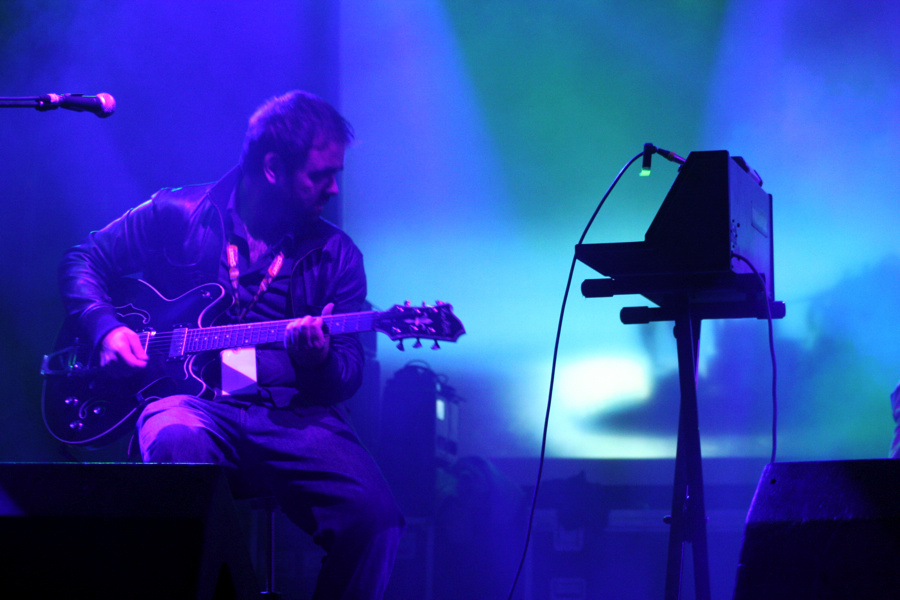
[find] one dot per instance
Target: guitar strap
(239, 364)
(234, 273)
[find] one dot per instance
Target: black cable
(771, 354)
(562, 313)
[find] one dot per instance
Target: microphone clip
(650, 150)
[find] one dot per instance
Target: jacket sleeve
(340, 376)
(89, 270)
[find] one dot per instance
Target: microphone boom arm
(102, 105)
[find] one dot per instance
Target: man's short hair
(290, 125)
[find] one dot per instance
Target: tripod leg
(688, 518)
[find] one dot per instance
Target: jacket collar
(221, 191)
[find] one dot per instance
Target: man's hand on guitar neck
(121, 352)
(307, 340)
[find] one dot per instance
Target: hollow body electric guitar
(84, 406)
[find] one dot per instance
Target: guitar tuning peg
(400, 346)
(407, 303)
(424, 305)
(435, 347)
(440, 302)
(418, 343)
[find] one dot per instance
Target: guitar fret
(235, 336)
(350, 322)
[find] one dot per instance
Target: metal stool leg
(269, 506)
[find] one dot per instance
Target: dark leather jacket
(175, 242)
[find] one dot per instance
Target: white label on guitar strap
(239, 371)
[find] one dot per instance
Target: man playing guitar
(255, 247)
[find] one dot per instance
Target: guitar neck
(242, 335)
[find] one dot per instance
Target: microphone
(101, 105)
(649, 149)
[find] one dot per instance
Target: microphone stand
(38, 102)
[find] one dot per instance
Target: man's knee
(180, 444)
(172, 430)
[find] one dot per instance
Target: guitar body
(82, 405)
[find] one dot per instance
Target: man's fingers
(121, 352)
(306, 338)
(137, 350)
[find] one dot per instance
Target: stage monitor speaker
(107, 530)
(823, 530)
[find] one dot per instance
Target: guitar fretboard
(192, 341)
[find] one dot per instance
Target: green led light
(645, 172)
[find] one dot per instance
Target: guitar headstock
(421, 322)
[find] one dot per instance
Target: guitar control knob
(76, 425)
(71, 401)
(99, 410)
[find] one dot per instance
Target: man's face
(313, 184)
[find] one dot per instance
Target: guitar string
(160, 343)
